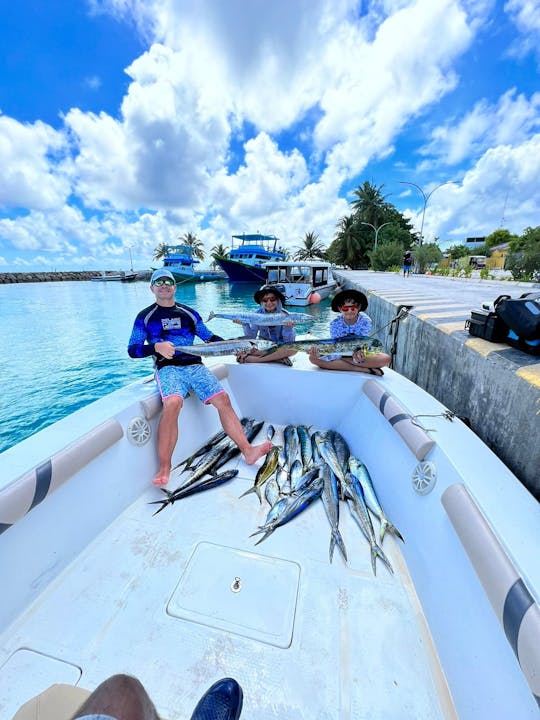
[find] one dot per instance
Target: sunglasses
(349, 307)
(268, 299)
(164, 281)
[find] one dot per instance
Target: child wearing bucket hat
(270, 300)
(352, 320)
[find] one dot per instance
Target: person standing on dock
(352, 320)
(156, 331)
(407, 262)
(270, 300)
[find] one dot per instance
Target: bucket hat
(355, 295)
(264, 290)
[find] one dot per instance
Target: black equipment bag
(487, 325)
(521, 315)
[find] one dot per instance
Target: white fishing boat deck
(96, 585)
(151, 596)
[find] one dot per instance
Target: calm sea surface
(65, 343)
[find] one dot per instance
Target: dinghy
(93, 583)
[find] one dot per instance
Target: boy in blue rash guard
(156, 331)
(270, 300)
(352, 320)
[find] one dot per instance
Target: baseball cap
(161, 273)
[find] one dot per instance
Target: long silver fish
(328, 454)
(291, 445)
(216, 439)
(306, 452)
(358, 509)
(340, 446)
(223, 347)
(330, 499)
(345, 346)
(289, 508)
(359, 470)
(264, 319)
(206, 484)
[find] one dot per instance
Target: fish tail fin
(387, 527)
(377, 552)
(332, 546)
(249, 491)
(341, 545)
(266, 534)
(210, 316)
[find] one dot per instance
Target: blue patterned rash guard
(178, 324)
(339, 329)
(275, 333)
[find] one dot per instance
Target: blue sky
(125, 123)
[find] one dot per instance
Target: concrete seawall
(494, 386)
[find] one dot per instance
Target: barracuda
(223, 347)
(266, 319)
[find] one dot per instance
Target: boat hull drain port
(138, 431)
(424, 477)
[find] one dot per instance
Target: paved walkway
(446, 303)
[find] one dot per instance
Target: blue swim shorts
(180, 379)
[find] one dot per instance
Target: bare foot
(254, 452)
(162, 478)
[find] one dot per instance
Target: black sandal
(376, 371)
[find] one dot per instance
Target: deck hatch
(240, 592)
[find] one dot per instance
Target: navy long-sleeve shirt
(179, 325)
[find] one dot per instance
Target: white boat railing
(32, 488)
(414, 436)
(515, 607)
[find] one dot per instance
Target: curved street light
(376, 229)
(426, 198)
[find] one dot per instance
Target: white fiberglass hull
(95, 585)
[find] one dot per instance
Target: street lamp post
(426, 198)
(376, 229)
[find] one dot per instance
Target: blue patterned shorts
(179, 380)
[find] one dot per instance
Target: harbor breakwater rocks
(31, 277)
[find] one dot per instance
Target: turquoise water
(65, 343)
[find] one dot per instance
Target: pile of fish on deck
(301, 467)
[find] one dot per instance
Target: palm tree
(220, 250)
(370, 205)
(196, 245)
(349, 247)
(159, 251)
(311, 248)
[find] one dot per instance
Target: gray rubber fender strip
(514, 605)
(416, 438)
(32, 488)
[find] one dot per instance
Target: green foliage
(354, 240)
(457, 251)
(386, 256)
(427, 254)
(159, 251)
(196, 245)
(524, 260)
(311, 248)
(498, 237)
(484, 273)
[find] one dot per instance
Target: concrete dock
(492, 385)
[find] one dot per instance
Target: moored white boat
(302, 282)
(93, 584)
